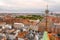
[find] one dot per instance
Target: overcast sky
(24, 6)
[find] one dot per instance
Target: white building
(7, 26)
(18, 25)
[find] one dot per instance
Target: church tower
(46, 12)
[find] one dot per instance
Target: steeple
(47, 11)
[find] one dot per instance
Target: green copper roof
(45, 36)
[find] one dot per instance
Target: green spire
(45, 36)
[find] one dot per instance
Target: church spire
(47, 11)
(47, 7)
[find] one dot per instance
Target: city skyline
(28, 6)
